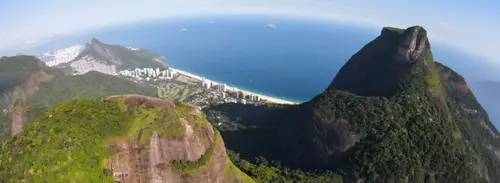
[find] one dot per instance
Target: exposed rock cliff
(382, 66)
(21, 77)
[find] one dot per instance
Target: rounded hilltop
(125, 138)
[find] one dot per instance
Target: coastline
(263, 97)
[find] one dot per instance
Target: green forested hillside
(92, 84)
(65, 145)
(390, 115)
(53, 88)
(72, 142)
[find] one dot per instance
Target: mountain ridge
(391, 114)
(29, 87)
(105, 58)
(487, 94)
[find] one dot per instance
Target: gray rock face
(377, 68)
(412, 44)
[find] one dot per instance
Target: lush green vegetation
(249, 133)
(263, 171)
(68, 142)
(407, 137)
(236, 171)
(65, 144)
(434, 83)
(21, 63)
(396, 123)
(395, 29)
(473, 124)
(15, 70)
(92, 84)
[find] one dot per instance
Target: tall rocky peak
(98, 46)
(99, 49)
(95, 41)
(379, 68)
(412, 45)
(388, 115)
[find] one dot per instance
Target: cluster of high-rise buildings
(148, 73)
(242, 95)
(238, 94)
(205, 83)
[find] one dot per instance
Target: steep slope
(386, 118)
(476, 129)
(110, 59)
(391, 114)
(28, 88)
(128, 138)
(20, 78)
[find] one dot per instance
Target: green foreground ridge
(72, 141)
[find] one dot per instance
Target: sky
(471, 26)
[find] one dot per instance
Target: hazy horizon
(467, 26)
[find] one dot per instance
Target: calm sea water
(295, 61)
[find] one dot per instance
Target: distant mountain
(29, 87)
(129, 138)
(61, 56)
(105, 58)
(488, 93)
(391, 114)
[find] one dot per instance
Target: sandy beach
(229, 88)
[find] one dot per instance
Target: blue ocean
(296, 60)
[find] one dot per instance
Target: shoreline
(230, 88)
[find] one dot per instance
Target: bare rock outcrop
(15, 100)
(413, 43)
(188, 150)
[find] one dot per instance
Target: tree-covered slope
(385, 118)
(476, 129)
(107, 140)
(91, 84)
(28, 88)
(15, 70)
(389, 115)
